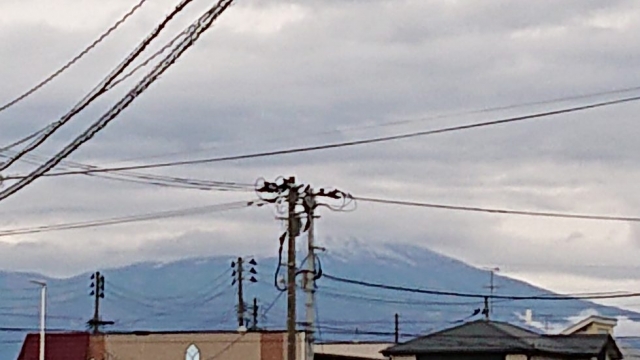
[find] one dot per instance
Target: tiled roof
(498, 337)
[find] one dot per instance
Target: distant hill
(196, 294)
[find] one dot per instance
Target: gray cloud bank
(294, 73)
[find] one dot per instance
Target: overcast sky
(274, 74)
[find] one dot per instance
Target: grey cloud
(348, 64)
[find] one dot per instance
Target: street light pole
(43, 307)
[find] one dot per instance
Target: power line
(130, 219)
(498, 211)
(499, 108)
(415, 120)
(148, 60)
(98, 91)
(76, 58)
(206, 290)
(151, 179)
(382, 139)
(199, 27)
(475, 295)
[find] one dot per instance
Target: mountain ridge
(196, 294)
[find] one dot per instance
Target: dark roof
(585, 343)
(67, 346)
(498, 337)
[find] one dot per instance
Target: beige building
(196, 346)
(217, 345)
(186, 345)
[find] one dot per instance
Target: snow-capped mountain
(196, 294)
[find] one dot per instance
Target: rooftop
(498, 337)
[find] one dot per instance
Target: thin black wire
(151, 179)
(167, 308)
(98, 91)
(475, 295)
(129, 219)
(212, 285)
(201, 25)
(272, 304)
(498, 211)
(23, 140)
(434, 117)
(507, 107)
(540, 115)
(226, 348)
(75, 59)
(148, 60)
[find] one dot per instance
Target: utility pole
(240, 294)
(238, 277)
(309, 283)
(492, 287)
(287, 190)
(254, 324)
(97, 291)
(293, 227)
(486, 311)
(397, 328)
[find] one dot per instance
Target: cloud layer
(290, 73)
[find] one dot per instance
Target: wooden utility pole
(254, 325)
(486, 311)
(293, 228)
(98, 292)
(397, 328)
(240, 292)
(275, 192)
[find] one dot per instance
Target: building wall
(366, 350)
(596, 328)
(592, 326)
(96, 349)
(517, 357)
(544, 358)
(221, 346)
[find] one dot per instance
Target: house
(592, 325)
(198, 345)
(492, 340)
(597, 324)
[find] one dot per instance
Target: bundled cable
(75, 59)
(194, 32)
(99, 90)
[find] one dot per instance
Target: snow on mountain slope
(197, 294)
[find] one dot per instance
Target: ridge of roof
(502, 327)
(505, 337)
